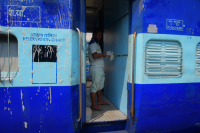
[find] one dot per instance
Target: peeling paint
(25, 124)
(50, 95)
(31, 80)
(60, 80)
(33, 71)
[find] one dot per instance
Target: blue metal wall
(165, 104)
(116, 40)
(31, 102)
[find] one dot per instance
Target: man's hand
(108, 53)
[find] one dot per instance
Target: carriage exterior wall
(165, 104)
(43, 96)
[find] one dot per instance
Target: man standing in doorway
(97, 68)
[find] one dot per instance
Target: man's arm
(98, 55)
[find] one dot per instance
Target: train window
(13, 55)
(198, 59)
(163, 59)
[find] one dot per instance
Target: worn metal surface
(165, 104)
(43, 94)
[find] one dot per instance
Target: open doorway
(112, 17)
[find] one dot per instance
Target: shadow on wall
(52, 6)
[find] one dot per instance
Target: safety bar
(133, 89)
(9, 57)
(80, 84)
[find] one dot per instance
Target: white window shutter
(163, 59)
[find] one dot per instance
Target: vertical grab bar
(133, 89)
(80, 84)
(9, 57)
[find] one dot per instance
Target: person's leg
(93, 95)
(101, 86)
(93, 90)
(99, 97)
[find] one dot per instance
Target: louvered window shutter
(198, 59)
(163, 59)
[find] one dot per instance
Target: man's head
(97, 33)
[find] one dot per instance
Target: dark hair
(96, 30)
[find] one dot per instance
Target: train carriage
(152, 85)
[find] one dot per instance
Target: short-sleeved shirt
(96, 64)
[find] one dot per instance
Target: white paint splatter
(59, 68)
(24, 51)
(9, 101)
(23, 108)
(50, 95)
(24, 42)
(25, 124)
(141, 6)
(21, 95)
(33, 71)
(60, 80)
(65, 63)
(23, 8)
(31, 80)
(59, 46)
(66, 51)
(24, 32)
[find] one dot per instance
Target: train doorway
(112, 17)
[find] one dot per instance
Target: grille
(198, 59)
(163, 59)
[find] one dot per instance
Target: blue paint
(116, 40)
(45, 73)
(83, 120)
(145, 12)
(66, 53)
(47, 109)
(189, 74)
(165, 107)
(62, 14)
(103, 127)
(113, 13)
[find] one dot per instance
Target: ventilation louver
(163, 59)
(198, 59)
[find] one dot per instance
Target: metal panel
(163, 59)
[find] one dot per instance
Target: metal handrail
(9, 57)
(80, 84)
(133, 89)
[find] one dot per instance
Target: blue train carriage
(39, 86)
(166, 75)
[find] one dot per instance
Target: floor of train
(108, 112)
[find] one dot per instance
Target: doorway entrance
(112, 17)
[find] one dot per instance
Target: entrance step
(108, 112)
